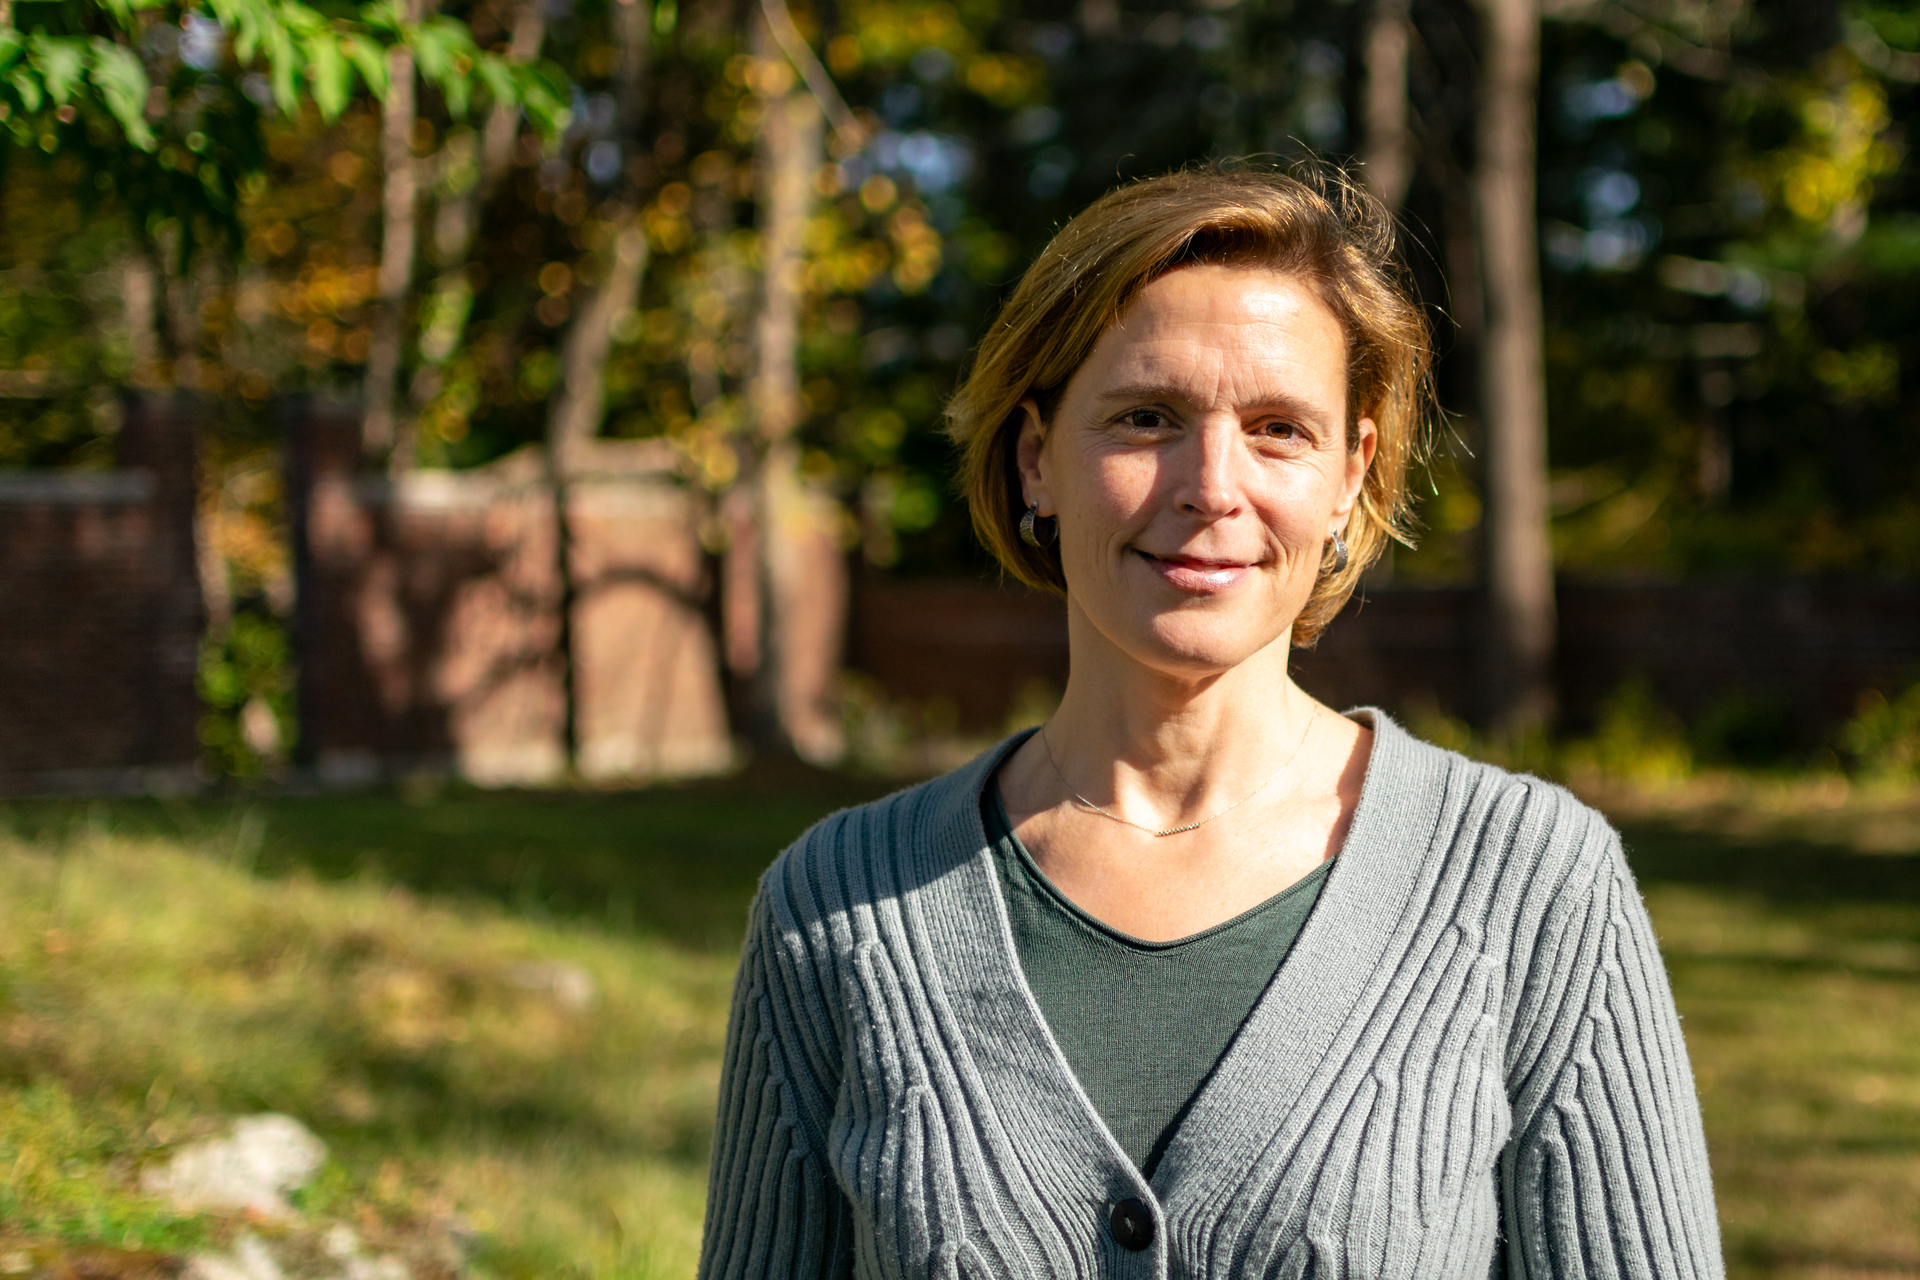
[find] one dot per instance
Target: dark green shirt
(1141, 1023)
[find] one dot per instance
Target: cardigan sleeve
(773, 1207)
(1606, 1173)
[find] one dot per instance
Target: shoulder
(858, 859)
(1532, 833)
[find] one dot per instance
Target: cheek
(1300, 501)
(1113, 486)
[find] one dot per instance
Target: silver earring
(1030, 529)
(1339, 553)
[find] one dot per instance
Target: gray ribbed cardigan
(1469, 1063)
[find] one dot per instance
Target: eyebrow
(1147, 392)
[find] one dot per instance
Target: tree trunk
(399, 230)
(1387, 163)
(576, 414)
(1519, 553)
(790, 151)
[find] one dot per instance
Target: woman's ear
(1359, 458)
(1030, 455)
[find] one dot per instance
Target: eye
(1281, 429)
(1145, 420)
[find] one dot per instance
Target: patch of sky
(936, 161)
(603, 161)
(1612, 246)
(1600, 100)
(202, 42)
(1608, 194)
(1620, 246)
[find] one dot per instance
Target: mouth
(1197, 575)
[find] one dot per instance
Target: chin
(1189, 643)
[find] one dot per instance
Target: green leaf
(544, 92)
(381, 15)
(61, 62)
(121, 78)
(496, 77)
(121, 10)
(12, 44)
(281, 68)
(331, 75)
(242, 25)
(27, 85)
(431, 49)
(448, 58)
(371, 61)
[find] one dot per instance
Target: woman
(1202, 978)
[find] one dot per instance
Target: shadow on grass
(680, 861)
(1788, 873)
(677, 861)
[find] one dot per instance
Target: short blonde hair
(1311, 224)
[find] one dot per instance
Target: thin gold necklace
(1174, 831)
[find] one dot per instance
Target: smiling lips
(1197, 575)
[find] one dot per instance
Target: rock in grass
(339, 1256)
(252, 1168)
(250, 1260)
(343, 1246)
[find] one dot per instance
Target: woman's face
(1197, 463)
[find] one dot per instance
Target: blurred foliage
(1883, 737)
(1635, 739)
(1730, 234)
(1729, 223)
(1639, 743)
(1731, 242)
(67, 1161)
(247, 692)
(162, 100)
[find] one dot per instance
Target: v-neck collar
(1323, 981)
(1057, 899)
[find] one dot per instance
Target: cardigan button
(1131, 1224)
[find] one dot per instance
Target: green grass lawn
(380, 967)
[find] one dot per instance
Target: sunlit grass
(154, 978)
(1805, 1033)
(397, 976)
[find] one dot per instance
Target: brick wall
(1806, 647)
(101, 615)
(428, 623)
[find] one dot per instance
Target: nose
(1210, 484)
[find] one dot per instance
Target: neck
(1169, 742)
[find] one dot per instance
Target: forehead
(1241, 330)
